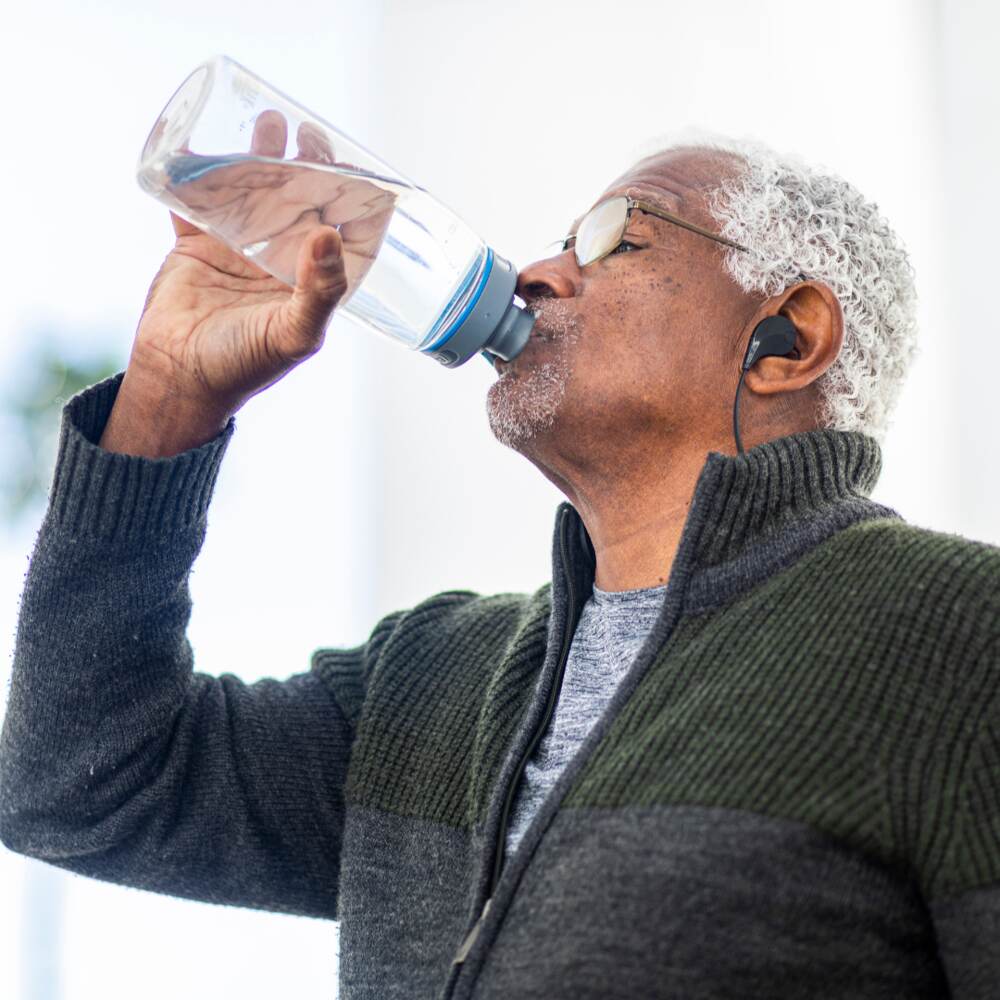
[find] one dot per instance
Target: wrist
(153, 418)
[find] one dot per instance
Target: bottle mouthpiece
(493, 324)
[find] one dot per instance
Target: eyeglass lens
(601, 229)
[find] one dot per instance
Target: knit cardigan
(794, 792)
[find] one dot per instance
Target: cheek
(652, 289)
(620, 303)
(633, 318)
(616, 367)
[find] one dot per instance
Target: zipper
(549, 709)
(470, 938)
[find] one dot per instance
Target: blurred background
(332, 502)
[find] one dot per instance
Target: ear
(818, 318)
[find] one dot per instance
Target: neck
(635, 526)
(749, 517)
(634, 505)
(634, 498)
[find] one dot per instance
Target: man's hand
(216, 329)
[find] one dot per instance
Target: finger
(182, 227)
(364, 236)
(314, 144)
(356, 199)
(270, 134)
(319, 286)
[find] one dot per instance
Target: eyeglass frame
(644, 206)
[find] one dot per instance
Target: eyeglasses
(602, 228)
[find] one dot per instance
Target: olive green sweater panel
(435, 695)
(857, 691)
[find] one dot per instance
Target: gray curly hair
(798, 221)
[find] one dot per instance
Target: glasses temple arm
(660, 214)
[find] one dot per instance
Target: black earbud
(774, 335)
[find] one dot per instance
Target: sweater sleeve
(120, 762)
(967, 918)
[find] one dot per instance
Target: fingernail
(324, 252)
(271, 134)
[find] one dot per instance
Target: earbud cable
(736, 411)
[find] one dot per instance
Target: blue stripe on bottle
(469, 306)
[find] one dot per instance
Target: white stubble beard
(522, 404)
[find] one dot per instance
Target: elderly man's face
(645, 340)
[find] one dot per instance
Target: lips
(540, 333)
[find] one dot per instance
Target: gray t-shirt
(612, 627)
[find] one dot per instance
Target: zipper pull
(470, 938)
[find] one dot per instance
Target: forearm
(150, 419)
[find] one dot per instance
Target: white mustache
(554, 319)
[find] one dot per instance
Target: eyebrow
(657, 199)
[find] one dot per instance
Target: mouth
(542, 332)
(502, 366)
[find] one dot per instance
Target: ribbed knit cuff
(115, 496)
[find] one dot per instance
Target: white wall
(286, 566)
(368, 479)
(969, 99)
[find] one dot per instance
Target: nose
(557, 277)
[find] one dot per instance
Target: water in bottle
(415, 271)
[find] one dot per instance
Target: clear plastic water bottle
(217, 157)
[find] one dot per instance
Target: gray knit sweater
(794, 791)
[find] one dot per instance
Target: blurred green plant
(30, 413)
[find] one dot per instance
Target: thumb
(320, 282)
(182, 227)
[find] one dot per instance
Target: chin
(524, 405)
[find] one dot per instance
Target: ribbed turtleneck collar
(753, 514)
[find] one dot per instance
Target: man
(744, 744)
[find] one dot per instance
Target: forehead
(676, 180)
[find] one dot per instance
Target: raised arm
(117, 759)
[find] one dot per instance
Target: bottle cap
(493, 322)
(512, 333)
